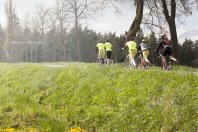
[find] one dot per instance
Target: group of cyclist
(104, 50)
(143, 50)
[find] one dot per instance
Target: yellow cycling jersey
(100, 46)
(131, 45)
(108, 46)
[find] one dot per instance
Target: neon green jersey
(108, 46)
(100, 46)
(131, 45)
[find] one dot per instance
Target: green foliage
(97, 98)
(188, 53)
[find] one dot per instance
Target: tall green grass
(97, 98)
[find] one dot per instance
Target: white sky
(109, 21)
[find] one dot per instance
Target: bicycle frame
(128, 60)
(167, 65)
(144, 64)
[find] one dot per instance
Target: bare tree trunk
(53, 52)
(76, 28)
(31, 53)
(171, 23)
(64, 53)
(135, 26)
(77, 40)
(26, 53)
(174, 38)
(78, 45)
(36, 54)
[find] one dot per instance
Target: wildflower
(78, 129)
(33, 130)
(9, 130)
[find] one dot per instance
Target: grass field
(88, 97)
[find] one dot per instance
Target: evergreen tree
(152, 41)
(186, 52)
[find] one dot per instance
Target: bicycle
(128, 60)
(99, 61)
(168, 63)
(143, 62)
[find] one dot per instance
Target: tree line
(52, 50)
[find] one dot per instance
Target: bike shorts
(167, 51)
(145, 54)
(132, 53)
(101, 54)
(109, 54)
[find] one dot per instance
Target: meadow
(93, 98)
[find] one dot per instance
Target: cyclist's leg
(132, 54)
(170, 54)
(142, 62)
(172, 58)
(130, 59)
(98, 58)
(108, 57)
(110, 53)
(145, 56)
(101, 55)
(164, 62)
(166, 54)
(169, 63)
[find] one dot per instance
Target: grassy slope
(97, 98)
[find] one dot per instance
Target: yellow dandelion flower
(9, 130)
(78, 129)
(33, 130)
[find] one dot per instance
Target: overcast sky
(109, 21)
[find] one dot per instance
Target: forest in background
(52, 50)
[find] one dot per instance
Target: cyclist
(100, 50)
(132, 49)
(165, 43)
(144, 50)
(108, 48)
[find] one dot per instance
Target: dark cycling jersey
(166, 45)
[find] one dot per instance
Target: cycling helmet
(143, 40)
(162, 35)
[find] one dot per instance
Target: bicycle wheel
(99, 61)
(169, 65)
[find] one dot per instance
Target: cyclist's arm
(159, 46)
